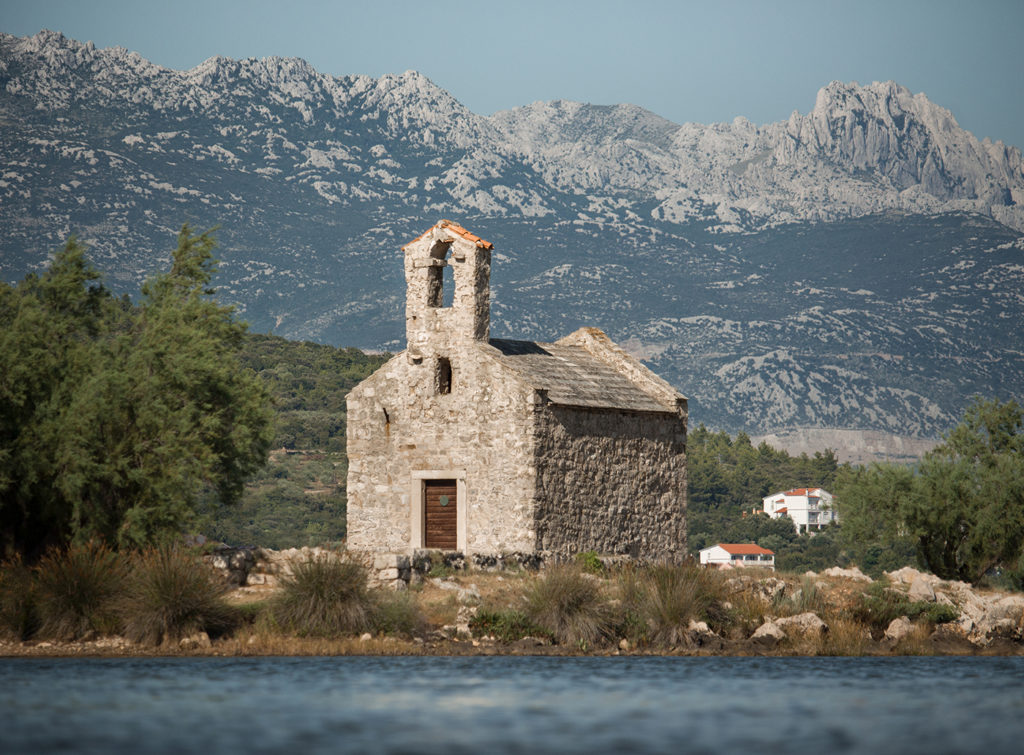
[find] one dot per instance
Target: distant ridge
(858, 268)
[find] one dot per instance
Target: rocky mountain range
(845, 278)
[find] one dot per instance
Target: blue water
(512, 705)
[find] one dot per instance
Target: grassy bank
(87, 600)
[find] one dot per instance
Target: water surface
(512, 705)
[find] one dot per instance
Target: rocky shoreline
(785, 615)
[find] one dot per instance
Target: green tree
(962, 507)
(870, 500)
(968, 510)
(49, 323)
(121, 417)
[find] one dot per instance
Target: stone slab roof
(572, 376)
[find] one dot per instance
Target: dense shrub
(506, 625)
(75, 591)
(17, 601)
(880, 604)
(590, 562)
(170, 594)
(324, 597)
(568, 604)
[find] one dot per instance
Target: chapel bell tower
(437, 320)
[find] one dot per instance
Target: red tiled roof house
(731, 555)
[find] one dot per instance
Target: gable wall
(482, 428)
(613, 482)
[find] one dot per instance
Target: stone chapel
(492, 446)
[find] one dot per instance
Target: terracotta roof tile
(745, 549)
(802, 491)
(458, 230)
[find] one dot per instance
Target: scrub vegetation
(171, 596)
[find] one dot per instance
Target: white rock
(807, 624)
(197, 640)
(852, 573)
(898, 629)
(769, 633)
(921, 591)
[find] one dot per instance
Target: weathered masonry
(491, 446)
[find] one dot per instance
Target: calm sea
(513, 705)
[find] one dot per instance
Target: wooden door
(440, 515)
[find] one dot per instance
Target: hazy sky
(701, 61)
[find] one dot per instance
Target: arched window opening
(440, 279)
(443, 376)
(447, 286)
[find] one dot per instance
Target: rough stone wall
(612, 482)
(482, 428)
(431, 329)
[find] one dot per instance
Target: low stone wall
(400, 570)
(261, 567)
(264, 567)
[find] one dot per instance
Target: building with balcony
(811, 509)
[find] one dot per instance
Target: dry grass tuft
(568, 603)
(324, 597)
(18, 618)
(398, 613)
(170, 594)
(75, 590)
(671, 596)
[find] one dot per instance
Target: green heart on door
(444, 500)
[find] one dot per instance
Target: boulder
(948, 639)
(195, 641)
(700, 627)
(988, 631)
(807, 624)
(921, 591)
(700, 635)
(898, 629)
(852, 573)
(1010, 607)
(908, 574)
(466, 595)
(769, 589)
(768, 634)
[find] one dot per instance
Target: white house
(810, 508)
(729, 555)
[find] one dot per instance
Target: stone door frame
(418, 504)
